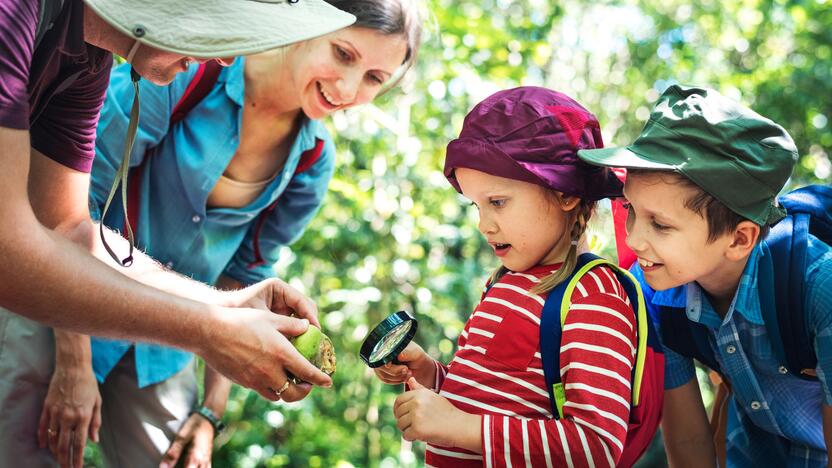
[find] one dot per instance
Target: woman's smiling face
(343, 69)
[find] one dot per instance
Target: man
(50, 95)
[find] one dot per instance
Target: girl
(516, 160)
(221, 190)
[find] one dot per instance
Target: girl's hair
(393, 17)
(580, 217)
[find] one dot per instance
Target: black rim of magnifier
(380, 331)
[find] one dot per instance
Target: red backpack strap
(307, 160)
(626, 257)
(201, 84)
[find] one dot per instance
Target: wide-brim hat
(221, 28)
(533, 134)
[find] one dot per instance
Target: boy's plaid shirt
(775, 417)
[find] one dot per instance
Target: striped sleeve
(598, 349)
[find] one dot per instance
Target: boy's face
(522, 222)
(670, 240)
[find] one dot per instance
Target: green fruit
(315, 346)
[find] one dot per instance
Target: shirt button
(782, 370)
(755, 405)
(196, 218)
(731, 349)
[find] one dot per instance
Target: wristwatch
(212, 418)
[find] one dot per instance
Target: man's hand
(422, 414)
(415, 362)
(196, 439)
(274, 295)
(71, 413)
(250, 346)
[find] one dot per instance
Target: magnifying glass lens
(390, 341)
(389, 338)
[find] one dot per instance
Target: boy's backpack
(780, 283)
(201, 84)
(648, 372)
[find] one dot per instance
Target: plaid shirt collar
(691, 297)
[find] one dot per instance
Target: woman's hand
(71, 413)
(196, 439)
(415, 362)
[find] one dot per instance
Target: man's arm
(48, 278)
(687, 434)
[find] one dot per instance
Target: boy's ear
(745, 237)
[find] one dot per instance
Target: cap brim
(620, 157)
(221, 28)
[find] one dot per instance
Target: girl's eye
(497, 202)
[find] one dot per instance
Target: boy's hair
(580, 217)
(721, 219)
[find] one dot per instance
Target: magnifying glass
(388, 339)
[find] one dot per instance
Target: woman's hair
(579, 217)
(393, 17)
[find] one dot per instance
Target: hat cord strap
(132, 52)
(121, 175)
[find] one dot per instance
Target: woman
(215, 193)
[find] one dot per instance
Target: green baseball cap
(736, 155)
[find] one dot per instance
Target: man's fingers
(304, 370)
(287, 297)
(296, 392)
(290, 326)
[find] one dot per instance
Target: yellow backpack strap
(641, 317)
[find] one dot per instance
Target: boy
(703, 179)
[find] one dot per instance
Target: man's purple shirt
(56, 91)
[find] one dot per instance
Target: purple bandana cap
(533, 134)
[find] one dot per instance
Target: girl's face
(524, 223)
(342, 69)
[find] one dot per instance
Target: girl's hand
(196, 439)
(415, 362)
(422, 414)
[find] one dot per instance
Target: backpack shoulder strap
(686, 337)
(553, 317)
(49, 11)
(780, 278)
(201, 84)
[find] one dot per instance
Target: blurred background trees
(394, 235)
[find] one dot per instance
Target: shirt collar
(746, 300)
